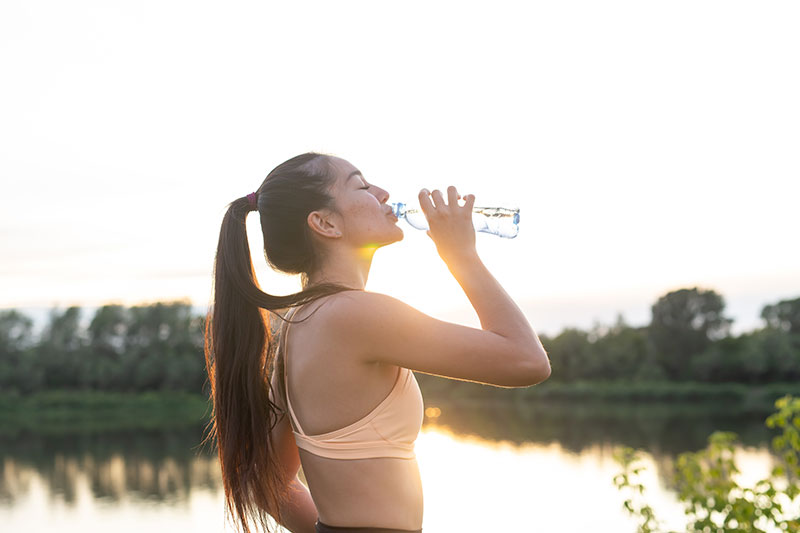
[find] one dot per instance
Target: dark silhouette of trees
(684, 324)
(61, 349)
(15, 332)
(18, 369)
(621, 352)
(783, 316)
(160, 347)
(149, 347)
(570, 353)
(687, 340)
(107, 349)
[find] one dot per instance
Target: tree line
(160, 347)
(688, 339)
(130, 349)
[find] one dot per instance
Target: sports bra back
(389, 430)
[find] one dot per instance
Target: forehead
(342, 170)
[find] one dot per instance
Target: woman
(335, 393)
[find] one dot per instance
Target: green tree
(783, 316)
(762, 356)
(770, 355)
(164, 346)
(108, 329)
(684, 323)
(723, 361)
(19, 370)
(569, 353)
(105, 363)
(62, 344)
(618, 351)
(706, 483)
(15, 332)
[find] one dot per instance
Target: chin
(396, 236)
(399, 235)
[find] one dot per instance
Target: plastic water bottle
(501, 221)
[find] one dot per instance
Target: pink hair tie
(251, 199)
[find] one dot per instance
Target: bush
(705, 482)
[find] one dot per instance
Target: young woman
(334, 391)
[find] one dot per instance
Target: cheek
(365, 209)
(359, 217)
(368, 218)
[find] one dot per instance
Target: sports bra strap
(389, 430)
(284, 339)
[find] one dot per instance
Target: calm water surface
(484, 468)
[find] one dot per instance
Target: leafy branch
(706, 483)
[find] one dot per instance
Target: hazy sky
(650, 146)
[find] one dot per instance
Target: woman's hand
(450, 224)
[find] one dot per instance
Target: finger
(469, 202)
(438, 199)
(452, 196)
(425, 202)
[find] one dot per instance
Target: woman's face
(365, 217)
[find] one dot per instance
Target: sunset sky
(649, 146)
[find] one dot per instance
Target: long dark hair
(239, 347)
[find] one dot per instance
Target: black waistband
(325, 528)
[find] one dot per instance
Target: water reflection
(663, 429)
(538, 453)
(160, 466)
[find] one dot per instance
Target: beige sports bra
(389, 430)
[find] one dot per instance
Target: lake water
(484, 468)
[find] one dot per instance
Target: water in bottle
(501, 221)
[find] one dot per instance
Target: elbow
(535, 369)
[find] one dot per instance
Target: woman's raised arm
(379, 328)
(505, 352)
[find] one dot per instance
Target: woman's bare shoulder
(348, 312)
(351, 306)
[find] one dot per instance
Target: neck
(349, 269)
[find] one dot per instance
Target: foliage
(628, 480)
(760, 356)
(787, 444)
(159, 347)
(621, 351)
(606, 353)
(687, 339)
(126, 349)
(684, 324)
(783, 316)
(569, 353)
(15, 332)
(17, 367)
(706, 483)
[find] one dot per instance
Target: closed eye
(364, 188)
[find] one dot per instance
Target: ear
(324, 224)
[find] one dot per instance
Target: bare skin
(323, 373)
(344, 360)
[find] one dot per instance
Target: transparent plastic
(500, 221)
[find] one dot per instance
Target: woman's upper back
(340, 406)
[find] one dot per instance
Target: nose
(381, 194)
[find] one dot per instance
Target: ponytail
(239, 356)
